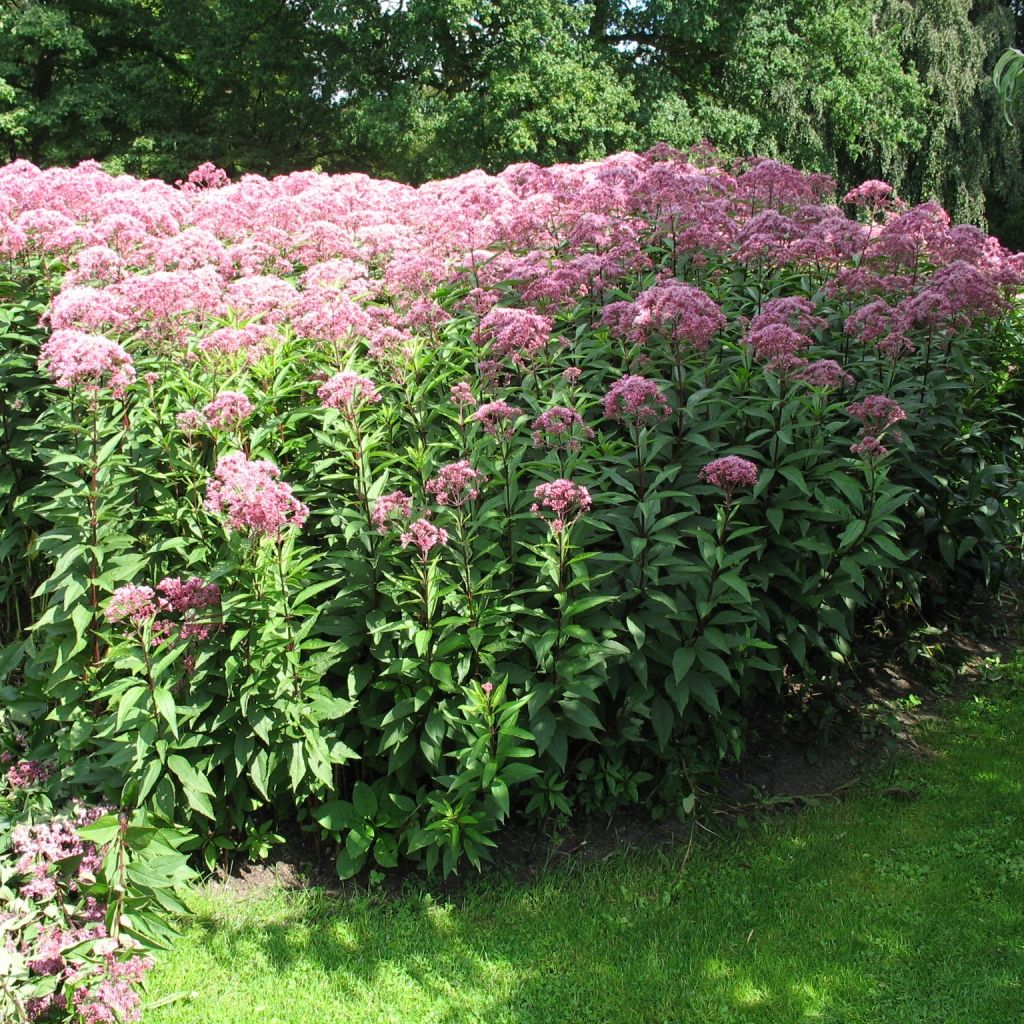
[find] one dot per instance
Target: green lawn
(868, 911)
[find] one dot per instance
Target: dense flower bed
(385, 511)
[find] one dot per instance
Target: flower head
(728, 473)
(23, 774)
(869, 447)
(74, 358)
(826, 373)
(498, 418)
(348, 392)
(561, 503)
(131, 603)
(876, 413)
(190, 422)
(227, 410)
(455, 484)
(560, 428)
(424, 535)
(635, 400)
(389, 507)
(516, 334)
(252, 496)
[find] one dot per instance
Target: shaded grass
(868, 911)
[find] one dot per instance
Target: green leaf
(336, 815)
(662, 719)
(346, 865)
(385, 851)
(101, 831)
(853, 532)
(190, 776)
(704, 692)
(296, 766)
(682, 662)
(734, 581)
(165, 706)
(364, 799)
(149, 779)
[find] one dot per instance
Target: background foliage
(410, 89)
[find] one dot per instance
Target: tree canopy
(415, 89)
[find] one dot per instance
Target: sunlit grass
(862, 912)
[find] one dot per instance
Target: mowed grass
(867, 911)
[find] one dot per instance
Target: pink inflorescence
(55, 864)
(563, 501)
(23, 774)
(228, 410)
(516, 334)
(729, 473)
(455, 484)
(389, 508)
(252, 496)
(782, 330)
(190, 422)
(348, 392)
(680, 311)
(206, 175)
(131, 603)
(186, 598)
(826, 373)
(873, 194)
(876, 413)
(74, 358)
(560, 428)
(424, 535)
(635, 400)
(498, 418)
(869, 447)
(462, 394)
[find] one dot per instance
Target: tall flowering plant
(425, 506)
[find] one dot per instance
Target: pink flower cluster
(672, 308)
(456, 484)
(561, 503)
(826, 373)
(498, 418)
(206, 175)
(187, 598)
(103, 990)
(228, 410)
(23, 774)
(391, 507)
(876, 414)
(729, 473)
(133, 604)
(516, 334)
(348, 392)
(560, 428)
(75, 358)
(253, 497)
(423, 534)
(636, 401)
(873, 195)
(782, 330)
(140, 605)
